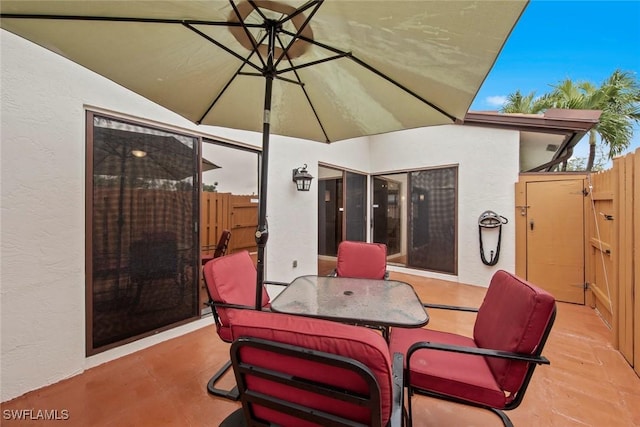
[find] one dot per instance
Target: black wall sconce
(302, 178)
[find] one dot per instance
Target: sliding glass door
(142, 242)
(415, 214)
(355, 204)
(342, 199)
(387, 211)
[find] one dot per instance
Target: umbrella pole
(262, 233)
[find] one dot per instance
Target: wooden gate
(550, 232)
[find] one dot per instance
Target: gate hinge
(585, 192)
(607, 216)
(586, 286)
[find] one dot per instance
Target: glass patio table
(369, 302)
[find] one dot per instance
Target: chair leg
(505, 419)
(235, 419)
(409, 408)
(232, 394)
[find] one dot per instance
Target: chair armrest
(397, 408)
(540, 360)
(266, 282)
(225, 305)
(450, 307)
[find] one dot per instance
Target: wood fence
(613, 257)
(226, 211)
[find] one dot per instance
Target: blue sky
(555, 40)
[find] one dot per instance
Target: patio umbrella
(318, 70)
(122, 152)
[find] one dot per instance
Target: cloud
(496, 101)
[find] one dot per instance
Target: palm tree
(527, 104)
(618, 98)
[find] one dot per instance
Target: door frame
(520, 215)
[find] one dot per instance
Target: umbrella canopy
(356, 67)
(319, 70)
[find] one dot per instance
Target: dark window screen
(144, 240)
(432, 236)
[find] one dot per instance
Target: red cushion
(354, 342)
(362, 260)
(512, 317)
(232, 279)
(454, 374)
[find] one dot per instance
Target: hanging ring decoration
(490, 219)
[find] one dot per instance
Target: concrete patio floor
(587, 384)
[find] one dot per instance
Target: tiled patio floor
(587, 384)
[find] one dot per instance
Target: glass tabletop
(366, 301)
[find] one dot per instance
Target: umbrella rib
(254, 6)
(319, 61)
(376, 72)
(246, 30)
(284, 79)
(302, 9)
(306, 94)
(223, 47)
(226, 86)
(317, 4)
(125, 19)
(215, 101)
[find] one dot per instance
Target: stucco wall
(487, 161)
(43, 207)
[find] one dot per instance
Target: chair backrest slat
(223, 244)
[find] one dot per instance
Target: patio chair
(154, 259)
(492, 369)
(361, 260)
(364, 261)
(231, 285)
(297, 371)
(219, 249)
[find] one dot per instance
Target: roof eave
(552, 121)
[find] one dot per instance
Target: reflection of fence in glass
(143, 211)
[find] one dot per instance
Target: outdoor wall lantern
(302, 178)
